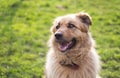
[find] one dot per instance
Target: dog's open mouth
(65, 45)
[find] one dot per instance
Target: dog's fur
(81, 60)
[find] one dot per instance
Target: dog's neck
(71, 66)
(68, 62)
(72, 59)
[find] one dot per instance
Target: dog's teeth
(70, 43)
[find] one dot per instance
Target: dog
(72, 51)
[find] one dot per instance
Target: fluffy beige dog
(72, 52)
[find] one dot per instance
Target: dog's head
(70, 30)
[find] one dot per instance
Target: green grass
(24, 32)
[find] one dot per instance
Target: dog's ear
(85, 18)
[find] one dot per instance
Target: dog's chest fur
(87, 69)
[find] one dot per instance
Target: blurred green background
(24, 32)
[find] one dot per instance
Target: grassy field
(24, 32)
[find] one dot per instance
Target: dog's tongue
(64, 46)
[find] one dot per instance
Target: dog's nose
(58, 35)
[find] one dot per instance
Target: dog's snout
(58, 35)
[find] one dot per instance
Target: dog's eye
(71, 26)
(58, 26)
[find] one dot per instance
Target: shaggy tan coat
(81, 61)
